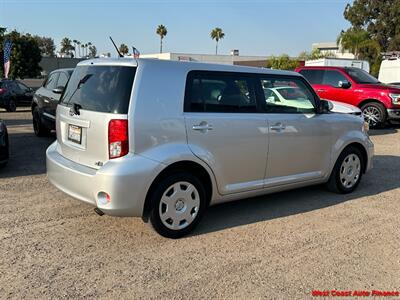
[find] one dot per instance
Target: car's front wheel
(375, 114)
(179, 201)
(347, 172)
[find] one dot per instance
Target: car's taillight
(118, 142)
(2, 91)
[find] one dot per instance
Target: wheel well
(362, 103)
(187, 166)
(363, 153)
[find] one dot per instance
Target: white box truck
(338, 62)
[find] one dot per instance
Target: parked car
(378, 102)
(14, 93)
(4, 148)
(46, 99)
(163, 140)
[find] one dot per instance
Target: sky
(255, 27)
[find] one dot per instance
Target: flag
(7, 55)
(136, 52)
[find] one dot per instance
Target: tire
(375, 114)
(11, 107)
(350, 161)
(38, 127)
(175, 210)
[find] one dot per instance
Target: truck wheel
(179, 202)
(38, 127)
(347, 172)
(375, 114)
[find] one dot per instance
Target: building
(333, 48)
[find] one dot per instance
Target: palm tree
(355, 40)
(75, 42)
(66, 46)
(217, 34)
(123, 49)
(162, 32)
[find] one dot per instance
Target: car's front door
(335, 87)
(225, 129)
(299, 138)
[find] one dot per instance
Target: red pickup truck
(378, 102)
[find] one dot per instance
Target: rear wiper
(82, 81)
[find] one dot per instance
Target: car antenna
(116, 48)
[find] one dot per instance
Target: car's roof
(63, 70)
(200, 66)
(327, 68)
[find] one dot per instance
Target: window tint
(62, 80)
(313, 76)
(51, 81)
(289, 95)
(100, 88)
(23, 87)
(220, 92)
(333, 77)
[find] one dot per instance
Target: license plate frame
(75, 134)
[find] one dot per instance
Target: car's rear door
(225, 129)
(299, 138)
(95, 95)
(315, 78)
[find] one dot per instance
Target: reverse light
(395, 98)
(118, 142)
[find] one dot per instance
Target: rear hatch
(95, 95)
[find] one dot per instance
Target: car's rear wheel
(179, 201)
(38, 127)
(12, 106)
(375, 114)
(347, 172)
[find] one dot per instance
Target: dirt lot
(281, 246)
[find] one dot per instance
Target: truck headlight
(395, 98)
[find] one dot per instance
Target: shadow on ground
(385, 176)
(390, 129)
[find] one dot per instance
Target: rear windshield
(100, 88)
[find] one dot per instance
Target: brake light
(2, 91)
(118, 142)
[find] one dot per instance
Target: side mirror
(325, 106)
(344, 84)
(58, 90)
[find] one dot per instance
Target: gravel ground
(280, 246)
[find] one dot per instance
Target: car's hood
(344, 108)
(380, 86)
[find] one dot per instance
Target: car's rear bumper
(126, 180)
(393, 113)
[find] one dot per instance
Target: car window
(313, 76)
(23, 87)
(51, 81)
(220, 92)
(333, 77)
(360, 76)
(62, 80)
(289, 95)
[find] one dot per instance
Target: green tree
(25, 55)
(66, 46)
(46, 45)
(162, 32)
(380, 18)
(217, 34)
(123, 49)
(92, 51)
(283, 62)
(356, 40)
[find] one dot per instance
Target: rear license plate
(75, 134)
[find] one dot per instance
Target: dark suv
(46, 99)
(14, 93)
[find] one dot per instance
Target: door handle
(202, 127)
(277, 127)
(320, 90)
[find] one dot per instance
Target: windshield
(360, 76)
(100, 88)
(290, 93)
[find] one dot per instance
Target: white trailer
(338, 62)
(389, 71)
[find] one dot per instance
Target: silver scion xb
(163, 140)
